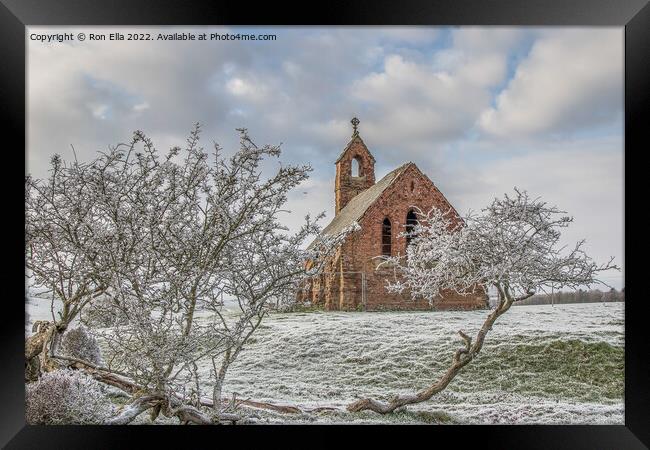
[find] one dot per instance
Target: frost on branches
(512, 245)
(64, 397)
(79, 343)
(159, 239)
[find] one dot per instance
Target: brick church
(352, 279)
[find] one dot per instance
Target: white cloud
(141, 107)
(414, 108)
(237, 86)
(98, 110)
(292, 69)
(479, 56)
(583, 177)
(419, 104)
(571, 79)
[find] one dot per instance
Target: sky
(480, 110)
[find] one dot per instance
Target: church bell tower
(355, 169)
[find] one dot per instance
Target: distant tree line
(579, 296)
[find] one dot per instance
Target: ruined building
(352, 279)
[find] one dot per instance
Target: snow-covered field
(561, 364)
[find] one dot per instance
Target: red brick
(338, 288)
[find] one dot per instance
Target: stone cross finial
(355, 124)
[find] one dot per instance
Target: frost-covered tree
(79, 343)
(59, 236)
(220, 240)
(171, 237)
(513, 245)
(79, 233)
(64, 243)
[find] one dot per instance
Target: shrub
(66, 397)
(101, 313)
(79, 343)
(301, 308)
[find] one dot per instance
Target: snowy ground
(540, 364)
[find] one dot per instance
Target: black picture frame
(15, 15)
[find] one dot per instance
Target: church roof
(354, 136)
(356, 207)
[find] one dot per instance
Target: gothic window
(386, 237)
(411, 220)
(356, 167)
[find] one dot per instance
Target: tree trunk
(218, 384)
(461, 358)
(34, 343)
(216, 397)
(40, 348)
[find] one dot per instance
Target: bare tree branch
(513, 246)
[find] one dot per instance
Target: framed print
(405, 218)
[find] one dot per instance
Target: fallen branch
(115, 392)
(184, 412)
(170, 406)
(133, 410)
(285, 409)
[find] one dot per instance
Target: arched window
(386, 237)
(356, 167)
(411, 220)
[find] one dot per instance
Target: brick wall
(342, 287)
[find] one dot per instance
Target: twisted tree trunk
(461, 358)
(40, 347)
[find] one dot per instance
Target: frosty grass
(561, 364)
